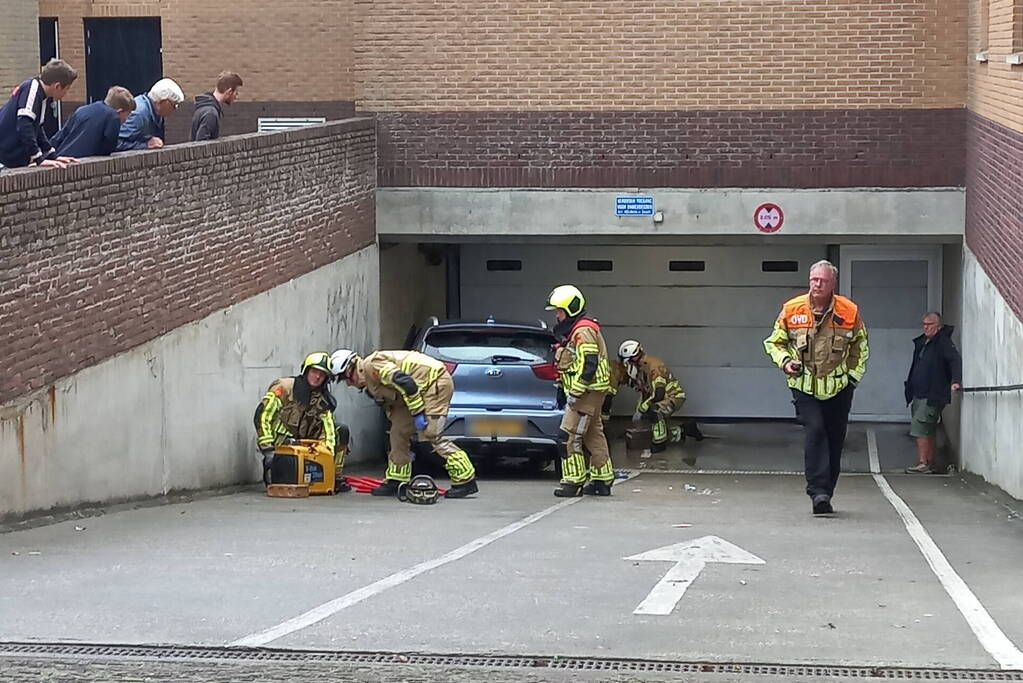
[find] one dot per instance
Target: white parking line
(983, 626)
(327, 609)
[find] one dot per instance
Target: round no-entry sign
(768, 217)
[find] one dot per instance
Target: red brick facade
(994, 205)
(110, 254)
(815, 148)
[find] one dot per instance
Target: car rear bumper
(539, 430)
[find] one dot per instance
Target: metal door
(122, 51)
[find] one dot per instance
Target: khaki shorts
(925, 418)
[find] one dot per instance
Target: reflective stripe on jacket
(833, 349)
(280, 415)
(582, 362)
(388, 374)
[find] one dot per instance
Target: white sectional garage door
(704, 310)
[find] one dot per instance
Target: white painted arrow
(690, 558)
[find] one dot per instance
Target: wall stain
(21, 449)
(53, 404)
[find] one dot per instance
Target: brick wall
(994, 198)
(421, 55)
(19, 43)
(822, 148)
(295, 56)
(106, 255)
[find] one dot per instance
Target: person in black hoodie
(936, 371)
(209, 107)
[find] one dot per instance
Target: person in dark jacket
(145, 128)
(23, 141)
(209, 107)
(936, 372)
(92, 130)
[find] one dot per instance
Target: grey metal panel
(708, 326)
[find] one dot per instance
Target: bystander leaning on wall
(145, 128)
(936, 371)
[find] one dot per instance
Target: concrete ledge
(452, 213)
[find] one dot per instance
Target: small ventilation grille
(270, 125)
(789, 671)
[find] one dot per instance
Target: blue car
(505, 403)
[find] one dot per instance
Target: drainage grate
(197, 653)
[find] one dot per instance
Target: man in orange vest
(820, 342)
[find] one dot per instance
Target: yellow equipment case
(303, 462)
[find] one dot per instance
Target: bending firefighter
(660, 394)
(415, 390)
(585, 377)
(302, 407)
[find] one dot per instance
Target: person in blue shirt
(145, 127)
(93, 129)
(23, 141)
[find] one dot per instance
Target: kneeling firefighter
(415, 391)
(302, 407)
(660, 394)
(585, 376)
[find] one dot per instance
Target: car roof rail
(543, 323)
(491, 319)
(432, 321)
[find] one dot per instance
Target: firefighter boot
(568, 490)
(341, 485)
(388, 488)
(463, 490)
(597, 488)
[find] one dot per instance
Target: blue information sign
(634, 205)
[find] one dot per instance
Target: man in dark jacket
(23, 141)
(936, 372)
(209, 106)
(92, 130)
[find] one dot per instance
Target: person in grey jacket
(145, 127)
(209, 106)
(936, 371)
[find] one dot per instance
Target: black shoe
(692, 429)
(388, 488)
(567, 490)
(462, 490)
(822, 504)
(341, 486)
(597, 488)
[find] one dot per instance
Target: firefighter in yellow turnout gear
(302, 407)
(585, 377)
(660, 394)
(415, 391)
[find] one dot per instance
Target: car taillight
(450, 366)
(546, 371)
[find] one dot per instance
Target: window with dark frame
(687, 266)
(779, 266)
(504, 264)
(594, 265)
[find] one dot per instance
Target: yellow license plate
(491, 426)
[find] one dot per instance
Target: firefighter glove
(637, 416)
(268, 456)
(420, 421)
(570, 400)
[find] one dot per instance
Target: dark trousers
(824, 425)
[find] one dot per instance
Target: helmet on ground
(341, 361)
(630, 349)
(422, 490)
(319, 360)
(568, 298)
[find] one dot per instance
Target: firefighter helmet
(341, 361)
(422, 490)
(319, 360)
(568, 298)
(630, 350)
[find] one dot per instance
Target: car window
(481, 346)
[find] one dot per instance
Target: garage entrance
(706, 310)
